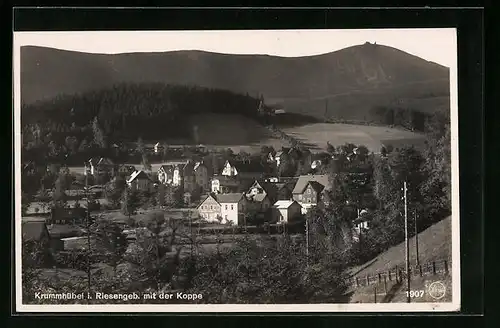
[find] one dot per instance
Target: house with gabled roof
(140, 181)
(309, 190)
(209, 208)
(233, 207)
(126, 170)
(261, 195)
(172, 172)
(286, 210)
(243, 169)
(195, 175)
(100, 165)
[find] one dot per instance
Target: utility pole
(89, 279)
(407, 248)
(416, 237)
(307, 240)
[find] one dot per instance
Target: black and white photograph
(236, 171)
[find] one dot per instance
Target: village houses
(140, 181)
(222, 184)
(243, 170)
(233, 207)
(310, 189)
(100, 165)
(209, 208)
(261, 195)
(184, 173)
(126, 170)
(226, 207)
(171, 172)
(285, 211)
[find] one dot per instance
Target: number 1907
(415, 293)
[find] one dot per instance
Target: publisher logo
(437, 290)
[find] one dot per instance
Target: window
(232, 207)
(226, 207)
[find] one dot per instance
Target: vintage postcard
(237, 171)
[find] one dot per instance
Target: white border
(243, 308)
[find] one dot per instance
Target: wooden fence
(398, 274)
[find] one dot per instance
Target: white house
(229, 170)
(140, 181)
(209, 209)
(233, 207)
(286, 210)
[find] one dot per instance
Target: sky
(437, 45)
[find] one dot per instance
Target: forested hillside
(128, 111)
(353, 80)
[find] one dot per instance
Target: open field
(237, 132)
(372, 137)
(434, 243)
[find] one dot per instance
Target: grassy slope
(350, 77)
(434, 243)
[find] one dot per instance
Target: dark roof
(34, 230)
(269, 188)
(318, 187)
(303, 180)
(229, 198)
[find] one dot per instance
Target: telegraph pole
(407, 248)
(307, 240)
(416, 236)
(89, 278)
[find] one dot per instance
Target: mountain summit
(367, 68)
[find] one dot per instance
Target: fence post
(375, 294)
(389, 274)
(433, 267)
(420, 270)
(379, 278)
(385, 285)
(357, 281)
(367, 280)
(446, 267)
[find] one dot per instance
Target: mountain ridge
(49, 72)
